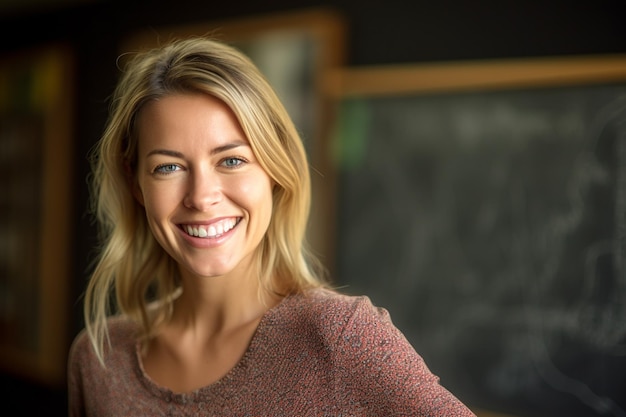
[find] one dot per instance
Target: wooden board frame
(481, 75)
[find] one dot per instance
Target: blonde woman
(204, 299)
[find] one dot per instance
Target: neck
(214, 304)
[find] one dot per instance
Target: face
(207, 199)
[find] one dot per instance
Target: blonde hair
(131, 264)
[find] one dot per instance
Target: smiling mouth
(211, 231)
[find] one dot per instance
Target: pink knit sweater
(319, 354)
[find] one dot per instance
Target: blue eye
(232, 162)
(166, 169)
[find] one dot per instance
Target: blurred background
(468, 169)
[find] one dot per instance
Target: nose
(204, 190)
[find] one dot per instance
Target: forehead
(188, 117)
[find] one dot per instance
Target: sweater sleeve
(385, 373)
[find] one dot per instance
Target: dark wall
(377, 33)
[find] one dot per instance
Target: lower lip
(207, 242)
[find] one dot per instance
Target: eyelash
(167, 169)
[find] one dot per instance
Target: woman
(201, 186)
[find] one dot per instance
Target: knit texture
(314, 354)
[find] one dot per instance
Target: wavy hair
(133, 275)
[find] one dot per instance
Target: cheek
(159, 201)
(257, 196)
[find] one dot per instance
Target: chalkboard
(492, 226)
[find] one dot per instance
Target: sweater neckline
(236, 373)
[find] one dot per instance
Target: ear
(131, 179)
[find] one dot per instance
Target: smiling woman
(202, 189)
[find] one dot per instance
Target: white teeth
(214, 230)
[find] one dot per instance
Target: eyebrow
(214, 151)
